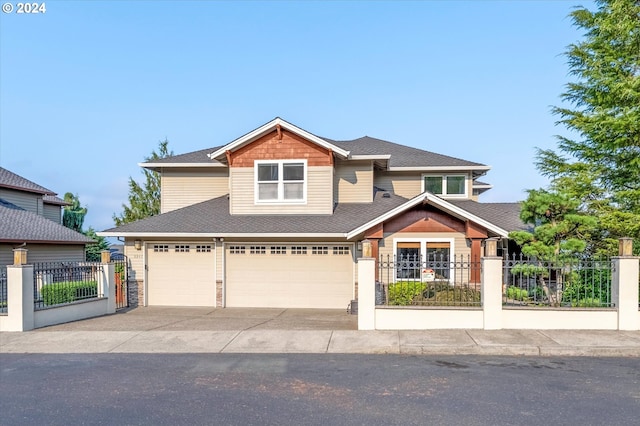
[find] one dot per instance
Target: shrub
(68, 291)
(589, 302)
(516, 293)
(403, 293)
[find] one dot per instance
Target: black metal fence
(575, 283)
(3, 290)
(65, 282)
(436, 281)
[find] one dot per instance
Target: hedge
(68, 291)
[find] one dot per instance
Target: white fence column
(624, 286)
(19, 298)
(491, 287)
(107, 285)
(366, 293)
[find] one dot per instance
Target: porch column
(491, 286)
(624, 286)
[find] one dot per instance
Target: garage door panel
(181, 275)
(308, 280)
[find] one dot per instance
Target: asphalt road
(204, 389)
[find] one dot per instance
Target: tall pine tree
(600, 164)
(144, 200)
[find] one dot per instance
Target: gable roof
(487, 217)
(269, 127)
(13, 181)
(389, 155)
(18, 225)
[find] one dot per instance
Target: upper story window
(445, 185)
(283, 181)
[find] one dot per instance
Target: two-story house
(31, 216)
(277, 217)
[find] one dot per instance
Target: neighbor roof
(13, 181)
(18, 225)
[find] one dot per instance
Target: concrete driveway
(214, 319)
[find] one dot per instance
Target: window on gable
(452, 185)
(280, 181)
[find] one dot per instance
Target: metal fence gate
(122, 282)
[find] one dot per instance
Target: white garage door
(289, 276)
(181, 274)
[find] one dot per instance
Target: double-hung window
(447, 185)
(283, 181)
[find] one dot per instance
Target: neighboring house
(31, 214)
(276, 218)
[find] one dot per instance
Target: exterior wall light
(137, 244)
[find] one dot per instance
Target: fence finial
(625, 246)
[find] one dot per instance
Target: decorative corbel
(279, 130)
(228, 154)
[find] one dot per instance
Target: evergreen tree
(73, 214)
(600, 166)
(94, 251)
(144, 200)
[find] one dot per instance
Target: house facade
(31, 216)
(277, 217)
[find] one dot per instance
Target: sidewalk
(171, 330)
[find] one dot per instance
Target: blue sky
(89, 88)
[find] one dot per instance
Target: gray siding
(53, 212)
(26, 200)
(38, 253)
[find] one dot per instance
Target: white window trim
(444, 184)
(280, 199)
(423, 248)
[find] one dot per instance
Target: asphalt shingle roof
(18, 225)
(504, 215)
(213, 217)
(11, 180)
(401, 155)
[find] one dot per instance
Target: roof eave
(222, 234)
(439, 168)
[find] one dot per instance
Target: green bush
(403, 293)
(589, 302)
(68, 291)
(516, 293)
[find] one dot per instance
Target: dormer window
(445, 185)
(281, 181)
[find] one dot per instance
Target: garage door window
(236, 249)
(182, 249)
(320, 250)
(339, 250)
(203, 249)
(298, 250)
(278, 250)
(257, 250)
(160, 248)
